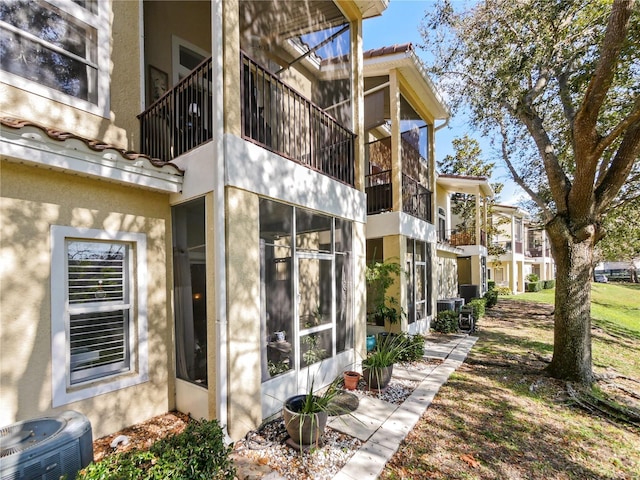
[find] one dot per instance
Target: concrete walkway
(382, 426)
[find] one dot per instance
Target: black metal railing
(379, 192)
(281, 120)
(465, 236)
(416, 199)
(181, 119)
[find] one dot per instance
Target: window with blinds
(99, 308)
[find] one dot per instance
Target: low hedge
(533, 286)
(445, 322)
(504, 291)
(199, 452)
(479, 306)
(548, 284)
(491, 298)
(412, 347)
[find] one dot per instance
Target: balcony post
(478, 217)
(396, 161)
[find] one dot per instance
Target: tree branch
(516, 177)
(585, 135)
(621, 166)
(606, 141)
(559, 183)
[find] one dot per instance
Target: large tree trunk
(573, 256)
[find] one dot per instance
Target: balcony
(181, 119)
(278, 118)
(462, 237)
(274, 116)
(416, 198)
(538, 252)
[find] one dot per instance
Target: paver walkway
(382, 426)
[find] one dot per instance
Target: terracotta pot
(303, 428)
(351, 380)
(377, 378)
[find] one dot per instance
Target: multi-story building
(401, 108)
(521, 248)
(462, 237)
(221, 267)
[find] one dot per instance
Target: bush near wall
(479, 306)
(533, 286)
(445, 322)
(491, 298)
(491, 285)
(504, 291)
(548, 284)
(199, 452)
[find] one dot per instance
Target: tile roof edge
(95, 145)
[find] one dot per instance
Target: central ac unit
(46, 448)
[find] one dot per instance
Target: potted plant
(305, 415)
(377, 368)
(351, 379)
(384, 310)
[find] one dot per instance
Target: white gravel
(264, 452)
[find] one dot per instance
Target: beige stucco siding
(120, 127)
(33, 200)
(447, 275)
(243, 311)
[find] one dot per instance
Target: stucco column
(231, 67)
(243, 311)
(358, 103)
(478, 216)
(396, 162)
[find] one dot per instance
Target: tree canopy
(557, 84)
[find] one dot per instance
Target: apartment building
(183, 206)
(521, 249)
(401, 109)
(462, 237)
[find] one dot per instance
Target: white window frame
(63, 392)
(178, 69)
(102, 24)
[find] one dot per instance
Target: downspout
(442, 125)
(217, 46)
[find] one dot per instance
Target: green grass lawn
(500, 415)
(614, 304)
(615, 314)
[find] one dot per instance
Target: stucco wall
(33, 199)
(243, 311)
(120, 128)
(447, 275)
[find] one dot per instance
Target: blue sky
(400, 24)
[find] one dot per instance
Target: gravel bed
(266, 447)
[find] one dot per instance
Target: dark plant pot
(377, 378)
(303, 428)
(385, 337)
(351, 379)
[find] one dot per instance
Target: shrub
(504, 291)
(533, 286)
(549, 284)
(532, 277)
(412, 348)
(199, 452)
(478, 305)
(445, 322)
(491, 285)
(491, 298)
